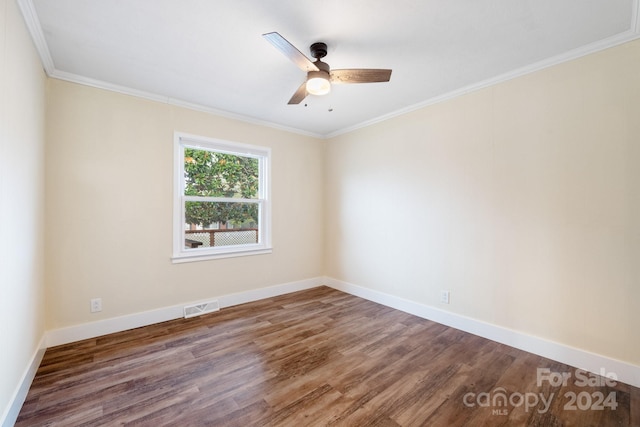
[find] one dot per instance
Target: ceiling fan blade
(300, 94)
(290, 51)
(365, 75)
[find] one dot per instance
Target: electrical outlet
(96, 305)
(444, 297)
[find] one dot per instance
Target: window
(221, 203)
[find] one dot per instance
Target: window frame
(263, 154)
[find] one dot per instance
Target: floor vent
(201, 308)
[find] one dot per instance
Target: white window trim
(180, 254)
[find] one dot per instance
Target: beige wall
(22, 93)
(522, 199)
(109, 207)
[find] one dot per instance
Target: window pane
(212, 174)
(210, 224)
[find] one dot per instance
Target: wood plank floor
(311, 358)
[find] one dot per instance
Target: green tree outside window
(213, 174)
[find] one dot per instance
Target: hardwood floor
(312, 358)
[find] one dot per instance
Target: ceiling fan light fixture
(318, 83)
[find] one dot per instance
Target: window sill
(189, 257)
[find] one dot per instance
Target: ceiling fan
(319, 74)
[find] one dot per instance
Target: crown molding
(99, 84)
(33, 24)
(546, 63)
(35, 29)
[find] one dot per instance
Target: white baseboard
(581, 359)
(12, 411)
(136, 320)
(122, 323)
(626, 372)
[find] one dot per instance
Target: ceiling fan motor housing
(318, 50)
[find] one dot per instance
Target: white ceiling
(210, 54)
